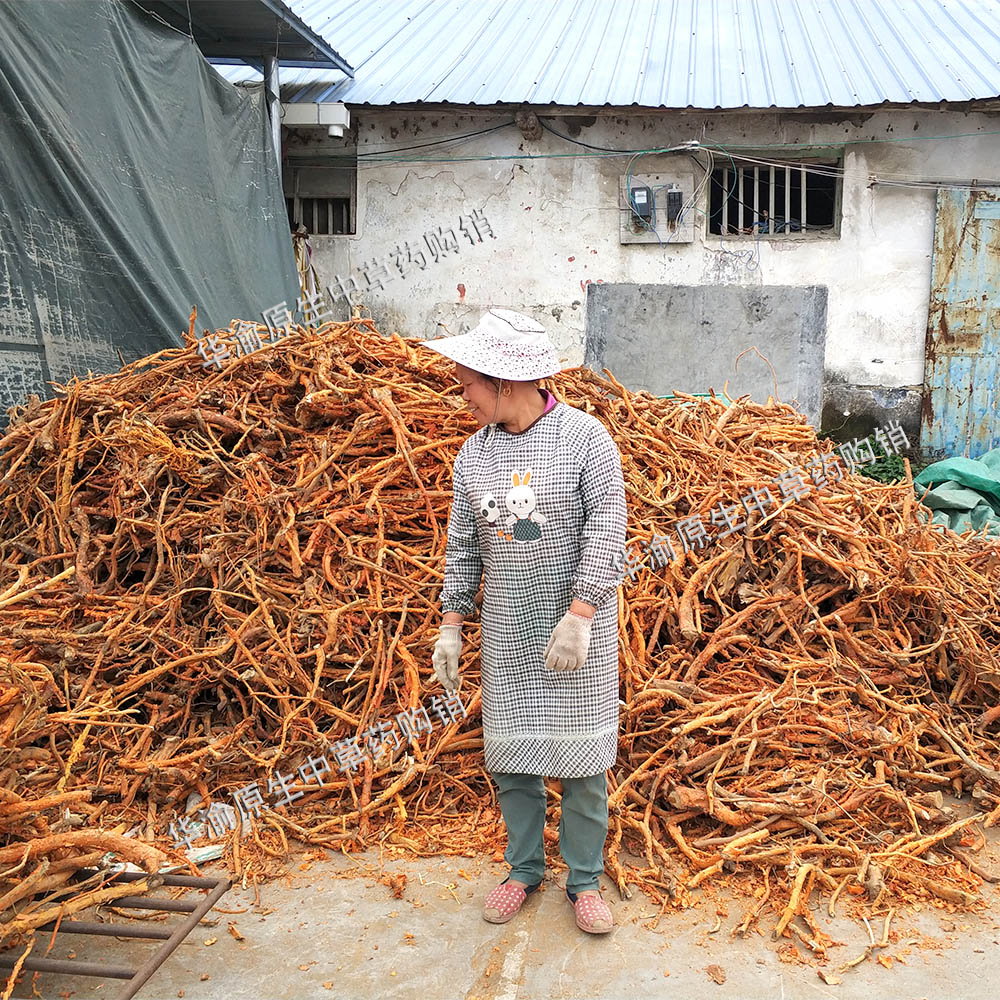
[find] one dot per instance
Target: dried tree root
(208, 578)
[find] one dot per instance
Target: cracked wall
(555, 222)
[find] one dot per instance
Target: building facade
(749, 203)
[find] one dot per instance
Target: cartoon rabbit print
(521, 502)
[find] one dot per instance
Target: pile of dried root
(208, 577)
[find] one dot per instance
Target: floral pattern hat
(503, 344)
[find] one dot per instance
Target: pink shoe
(593, 915)
(504, 901)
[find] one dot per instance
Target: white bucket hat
(503, 344)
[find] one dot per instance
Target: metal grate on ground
(171, 937)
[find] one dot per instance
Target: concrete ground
(319, 934)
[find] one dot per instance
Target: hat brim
(498, 360)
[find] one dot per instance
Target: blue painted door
(961, 391)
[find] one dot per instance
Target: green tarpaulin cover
(964, 494)
(134, 183)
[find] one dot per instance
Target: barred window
(321, 216)
(321, 194)
(766, 199)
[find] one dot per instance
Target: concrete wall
(556, 225)
(762, 341)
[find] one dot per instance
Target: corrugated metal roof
(249, 29)
(652, 53)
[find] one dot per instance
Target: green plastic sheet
(964, 493)
(135, 182)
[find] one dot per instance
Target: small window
(321, 216)
(322, 198)
(759, 199)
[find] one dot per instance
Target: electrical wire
(820, 169)
(691, 201)
(895, 180)
(540, 156)
(750, 258)
(352, 161)
(438, 142)
(932, 185)
(696, 194)
(692, 149)
(895, 138)
(630, 201)
(153, 14)
(599, 152)
(777, 223)
(578, 142)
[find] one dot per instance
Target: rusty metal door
(962, 375)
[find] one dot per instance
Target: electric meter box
(665, 188)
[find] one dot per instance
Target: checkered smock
(540, 517)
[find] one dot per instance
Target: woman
(538, 514)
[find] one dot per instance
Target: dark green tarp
(964, 494)
(134, 183)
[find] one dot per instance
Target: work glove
(567, 646)
(445, 658)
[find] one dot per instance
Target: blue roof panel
(701, 54)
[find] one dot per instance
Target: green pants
(583, 827)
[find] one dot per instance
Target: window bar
(724, 223)
(770, 204)
(802, 219)
(788, 199)
(329, 218)
(739, 210)
(756, 201)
